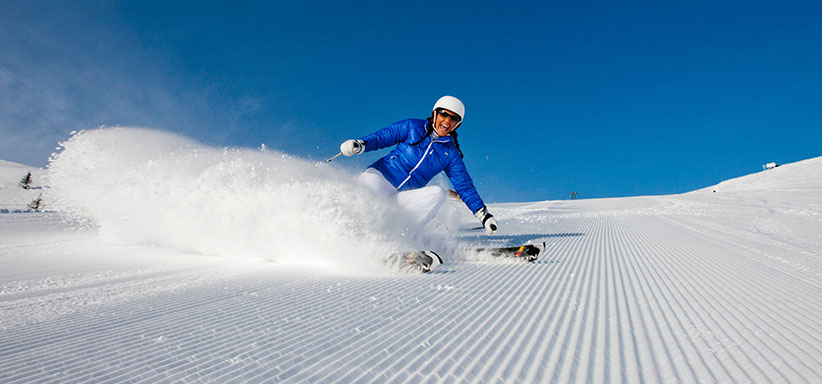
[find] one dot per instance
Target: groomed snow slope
(702, 287)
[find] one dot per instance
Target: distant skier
(424, 148)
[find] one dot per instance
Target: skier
(424, 148)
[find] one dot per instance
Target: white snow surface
(12, 196)
(170, 261)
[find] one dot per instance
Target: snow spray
(149, 187)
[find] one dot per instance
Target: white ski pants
(421, 204)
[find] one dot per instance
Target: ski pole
(334, 157)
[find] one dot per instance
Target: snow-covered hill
(701, 287)
(12, 196)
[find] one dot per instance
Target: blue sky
(602, 98)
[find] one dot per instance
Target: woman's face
(445, 122)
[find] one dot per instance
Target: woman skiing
(424, 148)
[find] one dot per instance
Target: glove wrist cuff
(482, 215)
(487, 216)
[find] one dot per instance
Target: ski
(419, 261)
(426, 261)
(527, 252)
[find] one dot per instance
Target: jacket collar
(440, 140)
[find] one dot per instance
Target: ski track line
(623, 343)
(553, 272)
(233, 333)
(79, 298)
(504, 332)
(580, 301)
(85, 281)
(757, 299)
(560, 360)
(314, 356)
(514, 320)
(662, 272)
(411, 331)
(709, 286)
(331, 361)
(73, 341)
(68, 341)
(739, 294)
(641, 356)
(734, 238)
(763, 298)
(634, 298)
(556, 303)
(28, 339)
(653, 266)
(405, 353)
(539, 327)
(464, 339)
(440, 343)
(224, 359)
(219, 353)
(305, 356)
(602, 252)
(492, 305)
(13, 269)
(559, 308)
(598, 332)
(52, 294)
(368, 363)
(642, 263)
(645, 269)
(716, 289)
(780, 280)
(517, 353)
(468, 370)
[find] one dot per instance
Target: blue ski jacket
(411, 166)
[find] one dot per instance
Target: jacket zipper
(424, 155)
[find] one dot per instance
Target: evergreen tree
(26, 181)
(36, 203)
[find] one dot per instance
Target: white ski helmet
(452, 104)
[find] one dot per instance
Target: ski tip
(437, 259)
(540, 251)
(418, 261)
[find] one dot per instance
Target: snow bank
(149, 187)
